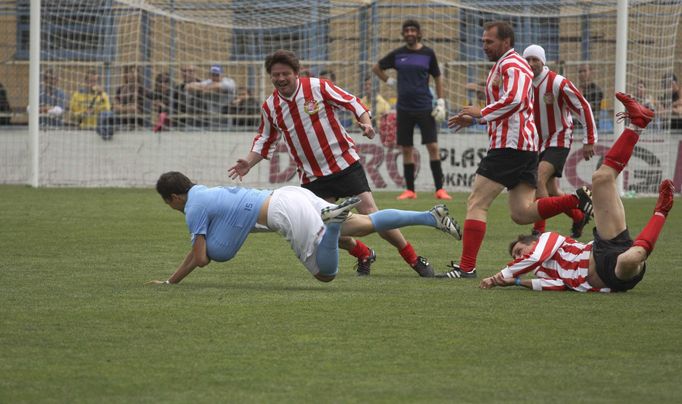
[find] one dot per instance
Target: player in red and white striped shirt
(512, 157)
(610, 263)
(555, 99)
(302, 111)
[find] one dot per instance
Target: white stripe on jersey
(314, 136)
(509, 109)
(555, 97)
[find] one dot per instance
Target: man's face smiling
(284, 79)
(411, 36)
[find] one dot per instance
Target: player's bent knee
(630, 263)
(324, 278)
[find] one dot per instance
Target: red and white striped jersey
(558, 262)
(314, 136)
(555, 97)
(509, 109)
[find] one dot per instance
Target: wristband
(517, 281)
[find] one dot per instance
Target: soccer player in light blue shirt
(221, 218)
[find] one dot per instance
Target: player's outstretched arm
(195, 258)
(243, 166)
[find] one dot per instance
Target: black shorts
(349, 182)
(510, 167)
(406, 123)
(556, 156)
(605, 253)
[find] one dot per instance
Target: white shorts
(294, 212)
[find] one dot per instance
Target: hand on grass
(496, 280)
(157, 282)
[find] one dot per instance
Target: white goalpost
(128, 89)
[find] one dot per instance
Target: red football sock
(647, 238)
(619, 154)
(472, 239)
(360, 250)
(539, 226)
(553, 205)
(576, 214)
(409, 255)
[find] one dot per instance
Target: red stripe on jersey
(319, 130)
(302, 137)
(510, 104)
(549, 107)
(286, 134)
(536, 107)
(587, 113)
(343, 141)
(565, 135)
(272, 133)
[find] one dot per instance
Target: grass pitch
(77, 324)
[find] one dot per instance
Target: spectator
(5, 108)
(383, 114)
(245, 104)
(379, 105)
(162, 100)
(642, 96)
(217, 92)
(305, 73)
(89, 102)
(52, 100)
(188, 104)
(129, 100)
(671, 102)
(590, 91)
(328, 74)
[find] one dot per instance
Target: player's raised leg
(630, 264)
(609, 214)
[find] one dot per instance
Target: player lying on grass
(219, 220)
(610, 263)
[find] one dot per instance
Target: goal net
(133, 88)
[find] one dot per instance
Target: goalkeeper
(221, 218)
(414, 62)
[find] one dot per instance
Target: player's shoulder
(426, 49)
(514, 61)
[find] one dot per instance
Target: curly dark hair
(285, 57)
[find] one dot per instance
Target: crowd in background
(216, 102)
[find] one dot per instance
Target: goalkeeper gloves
(391, 81)
(439, 111)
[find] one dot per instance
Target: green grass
(78, 325)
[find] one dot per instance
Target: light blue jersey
(224, 215)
